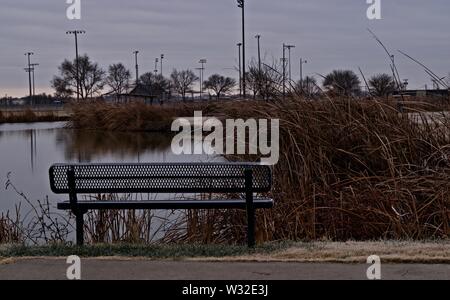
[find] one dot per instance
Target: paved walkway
(55, 269)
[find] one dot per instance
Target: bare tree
(307, 87)
(118, 79)
(182, 81)
(343, 83)
(91, 78)
(220, 84)
(382, 85)
(156, 85)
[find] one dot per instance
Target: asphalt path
(141, 269)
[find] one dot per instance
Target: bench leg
(80, 227)
(250, 209)
(251, 227)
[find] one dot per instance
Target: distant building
(139, 93)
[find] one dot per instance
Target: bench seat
(168, 204)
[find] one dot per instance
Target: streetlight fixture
(137, 66)
(76, 33)
(240, 70)
(156, 66)
(241, 4)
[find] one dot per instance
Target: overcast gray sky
(330, 34)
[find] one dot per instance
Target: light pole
(28, 54)
(200, 80)
(302, 61)
(76, 33)
(258, 37)
(162, 57)
(241, 4)
(156, 66)
(202, 61)
(240, 70)
(32, 70)
(137, 66)
(289, 47)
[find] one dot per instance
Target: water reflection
(86, 146)
(28, 151)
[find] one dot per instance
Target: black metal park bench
(186, 178)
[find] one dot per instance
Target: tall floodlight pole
(76, 33)
(33, 66)
(156, 66)
(137, 66)
(289, 47)
(241, 4)
(302, 61)
(162, 57)
(28, 54)
(258, 37)
(240, 70)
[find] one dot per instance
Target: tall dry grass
(348, 169)
(135, 116)
(356, 170)
(29, 116)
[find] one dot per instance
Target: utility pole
(28, 54)
(76, 33)
(241, 4)
(240, 70)
(258, 37)
(162, 57)
(137, 66)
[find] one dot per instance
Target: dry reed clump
(350, 170)
(41, 224)
(9, 232)
(135, 116)
(28, 116)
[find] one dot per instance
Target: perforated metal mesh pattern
(159, 178)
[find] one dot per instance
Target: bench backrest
(159, 178)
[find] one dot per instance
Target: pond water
(28, 150)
